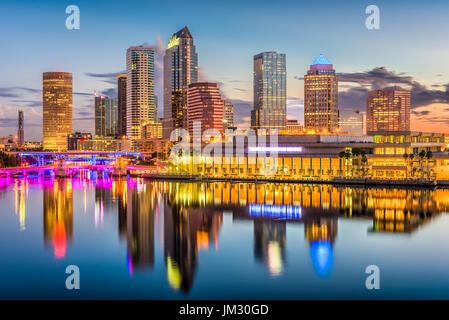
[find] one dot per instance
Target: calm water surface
(175, 240)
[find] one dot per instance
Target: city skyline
(371, 65)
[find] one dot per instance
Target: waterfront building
(388, 111)
(293, 127)
(270, 91)
(205, 108)
(155, 148)
(351, 121)
(321, 97)
(322, 157)
(57, 110)
(140, 98)
(74, 139)
(121, 105)
(180, 70)
(152, 130)
(105, 144)
(228, 114)
(20, 130)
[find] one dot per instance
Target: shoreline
(415, 183)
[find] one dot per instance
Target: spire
(184, 33)
(321, 60)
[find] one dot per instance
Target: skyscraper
(106, 116)
(270, 91)
(180, 70)
(111, 119)
(388, 111)
(100, 115)
(205, 107)
(321, 97)
(140, 104)
(20, 133)
(228, 114)
(57, 110)
(121, 90)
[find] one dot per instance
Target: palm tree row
(358, 157)
(422, 155)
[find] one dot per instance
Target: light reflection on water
(141, 239)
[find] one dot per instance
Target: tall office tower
(57, 110)
(228, 114)
(270, 91)
(205, 107)
(388, 111)
(180, 70)
(100, 115)
(20, 133)
(140, 104)
(121, 90)
(106, 116)
(351, 121)
(111, 118)
(321, 97)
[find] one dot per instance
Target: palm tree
(405, 155)
(422, 155)
(429, 156)
(412, 156)
(355, 154)
(363, 160)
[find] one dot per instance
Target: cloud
(357, 85)
(106, 77)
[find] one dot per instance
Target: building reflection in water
(269, 244)
(188, 217)
(321, 234)
(188, 228)
(140, 208)
(58, 216)
(20, 196)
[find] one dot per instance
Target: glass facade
(180, 70)
(388, 111)
(270, 91)
(140, 105)
(57, 110)
(321, 97)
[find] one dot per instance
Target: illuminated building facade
(294, 127)
(321, 97)
(121, 102)
(100, 116)
(140, 98)
(351, 121)
(228, 114)
(111, 119)
(20, 130)
(270, 91)
(152, 130)
(388, 111)
(74, 139)
(57, 110)
(319, 157)
(205, 108)
(180, 70)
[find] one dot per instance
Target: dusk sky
(409, 51)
